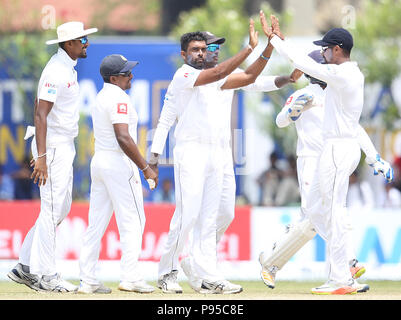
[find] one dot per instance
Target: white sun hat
(71, 30)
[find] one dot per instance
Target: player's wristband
(249, 46)
(265, 58)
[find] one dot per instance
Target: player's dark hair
(106, 79)
(186, 38)
(61, 45)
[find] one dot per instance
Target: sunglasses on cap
(213, 47)
(84, 40)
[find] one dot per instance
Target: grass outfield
(253, 290)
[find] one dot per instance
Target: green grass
(253, 290)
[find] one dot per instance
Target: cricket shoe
(139, 286)
(268, 275)
(54, 283)
(220, 287)
(356, 270)
(92, 288)
(331, 287)
(360, 287)
(18, 275)
(194, 282)
(168, 283)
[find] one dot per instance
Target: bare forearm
(281, 81)
(223, 69)
(130, 148)
(40, 133)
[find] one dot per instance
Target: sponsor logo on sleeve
(122, 108)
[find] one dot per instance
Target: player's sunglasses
(325, 48)
(213, 47)
(124, 74)
(84, 40)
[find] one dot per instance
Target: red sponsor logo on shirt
(122, 108)
(186, 74)
(69, 84)
(49, 85)
(289, 100)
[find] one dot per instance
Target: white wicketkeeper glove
(296, 109)
(383, 167)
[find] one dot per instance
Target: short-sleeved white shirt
(112, 106)
(198, 115)
(58, 84)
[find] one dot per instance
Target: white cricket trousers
(198, 177)
(115, 186)
(306, 169)
(325, 203)
(38, 250)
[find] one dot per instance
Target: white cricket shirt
(58, 84)
(112, 106)
(218, 103)
(309, 125)
(344, 92)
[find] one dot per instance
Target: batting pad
(294, 239)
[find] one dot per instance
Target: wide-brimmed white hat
(71, 30)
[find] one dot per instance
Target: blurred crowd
(277, 185)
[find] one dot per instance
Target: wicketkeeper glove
(383, 167)
(296, 109)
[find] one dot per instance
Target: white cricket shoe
(92, 288)
(54, 283)
(332, 288)
(136, 286)
(220, 287)
(168, 283)
(360, 287)
(18, 275)
(194, 282)
(268, 274)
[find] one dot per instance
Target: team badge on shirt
(122, 108)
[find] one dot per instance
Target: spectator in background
(23, 184)
(392, 197)
(269, 182)
(288, 189)
(6, 185)
(166, 193)
(360, 193)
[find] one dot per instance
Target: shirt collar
(66, 58)
(112, 86)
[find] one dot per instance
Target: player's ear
(184, 55)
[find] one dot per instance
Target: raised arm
(225, 68)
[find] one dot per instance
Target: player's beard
(196, 63)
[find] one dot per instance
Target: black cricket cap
(211, 38)
(115, 64)
(337, 36)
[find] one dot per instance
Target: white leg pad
(294, 239)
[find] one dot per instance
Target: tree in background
(377, 50)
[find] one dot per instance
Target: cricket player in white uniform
(305, 108)
(223, 100)
(56, 118)
(116, 183)
(325, 204)
(198, 157)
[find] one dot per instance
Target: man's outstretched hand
(276, 26)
